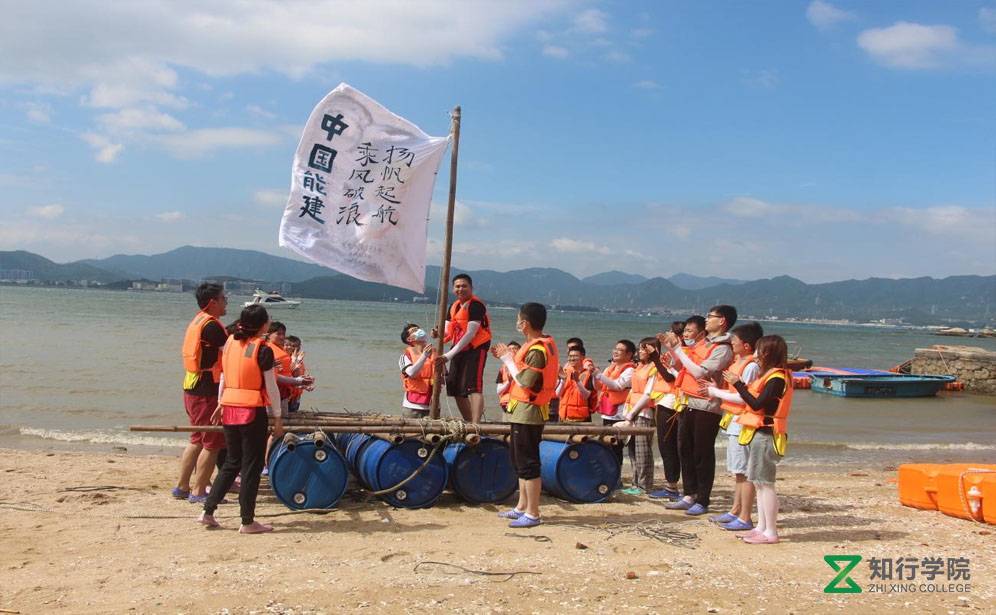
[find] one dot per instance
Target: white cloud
(617, 56)
(260, 112)
(648, 84)
(749, 207)
(987, 19)
(976, 225)
(910, 45)
(270, 198)
(765, 78)
(555, 51)
(132, 119)
(49, 212)
(197, 143)
(106, 150)
(824, 15)
(591, 21)
(170, 216)
(38, 113)
(574, 246)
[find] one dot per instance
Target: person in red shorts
(202, 344)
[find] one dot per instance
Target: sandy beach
(97, 533)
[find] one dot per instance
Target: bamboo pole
(572, 438)
(444, 273)
(486, 429)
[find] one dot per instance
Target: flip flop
(180, 494)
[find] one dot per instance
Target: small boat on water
(879, 385)
(271, 300)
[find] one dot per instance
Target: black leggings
(697, 448)
(617, 449)
(246, 446)
(667, 443)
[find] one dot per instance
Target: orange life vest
(193, 346)
(697, 353)
(641, 375)
(549, 348)
(422, 381)
(296, 393)
(460, 321)
(738, 368)
(614, 397)
(506, 396)
(573, 407)
(282, 363)
(244, 386)
(756, 418)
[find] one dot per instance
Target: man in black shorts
(469, 330)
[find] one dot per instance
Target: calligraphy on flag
(361, 186)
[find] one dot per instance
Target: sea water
(77, 367)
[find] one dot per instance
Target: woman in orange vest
(639, 411)
(576, 387)
(765, 429)
(504, 382)
(416, 372)
(667, 419)
(534, 377)
(248, 386)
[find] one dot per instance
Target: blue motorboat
(879, 385)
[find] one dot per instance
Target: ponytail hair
(252, 319)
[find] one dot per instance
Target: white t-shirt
(749, 375)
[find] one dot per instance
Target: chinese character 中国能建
(333, 126)
(387, 193)
(367, 151)
(314, 183)
(387, 212)
(313, 206)
(321, 158)
(349, 214)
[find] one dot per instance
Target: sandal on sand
(761, 540)
(180, 494)
(510, 514)
(737, 525)
(723, 518)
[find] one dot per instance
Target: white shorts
(736, 456)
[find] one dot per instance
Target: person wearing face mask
(416, 372)
(702, 364)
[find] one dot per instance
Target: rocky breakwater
(974, 366)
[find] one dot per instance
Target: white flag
(361, 186)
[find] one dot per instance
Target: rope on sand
(656, 530)
(484, 573)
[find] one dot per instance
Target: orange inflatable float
(963, 490)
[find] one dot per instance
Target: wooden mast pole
(444, 273)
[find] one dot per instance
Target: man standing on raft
(469, 329)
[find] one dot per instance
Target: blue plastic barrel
(482, 473)
(381, 465)
(306, 474)
(586, 472)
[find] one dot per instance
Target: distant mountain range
(963, 299)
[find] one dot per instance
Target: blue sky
(824, 140)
